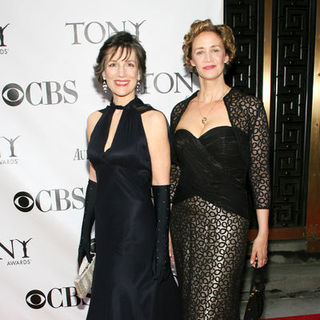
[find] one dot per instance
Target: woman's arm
(158, 143)
(156, 129)
(259, 174)
(90, 198)
(175, 168)
(91, 123)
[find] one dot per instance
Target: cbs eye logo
(35, 299)
(12, 94)
(23, 201)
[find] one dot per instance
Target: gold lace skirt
(209, 246)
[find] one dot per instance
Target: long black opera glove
(161, 262)
(87, 223)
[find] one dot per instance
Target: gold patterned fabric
(209, 248)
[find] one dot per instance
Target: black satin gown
(123, 285)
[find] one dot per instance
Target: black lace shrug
(247, 114)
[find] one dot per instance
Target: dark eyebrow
(114, 60)
(214, 45)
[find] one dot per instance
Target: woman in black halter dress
(129, 155)
(220, 137)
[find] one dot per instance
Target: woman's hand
(260, 243)
(259, 251)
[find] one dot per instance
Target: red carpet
(309, 317)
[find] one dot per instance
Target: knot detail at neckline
(118, 107)
(133, 102)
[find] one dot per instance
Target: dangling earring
(104, 85)
(138, 86)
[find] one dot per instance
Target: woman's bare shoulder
(93, 118)
(154, 119)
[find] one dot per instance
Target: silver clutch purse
(83, 281)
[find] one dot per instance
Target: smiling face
(121, 73)
(208, 55)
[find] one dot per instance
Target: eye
(23, 201)
(199, 52)
(35, 299)
(215, 49)
(12, 94)
(111, 64)
(131, 64)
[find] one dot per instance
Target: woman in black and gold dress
(220, 137)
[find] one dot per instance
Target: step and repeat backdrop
(47, 86)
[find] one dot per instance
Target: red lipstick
(209, 67)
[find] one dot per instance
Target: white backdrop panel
(47, 53)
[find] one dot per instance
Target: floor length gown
(209, 239)
(209, 186)
(123, 285)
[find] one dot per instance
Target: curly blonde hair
(199, 26)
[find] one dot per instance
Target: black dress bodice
(250, 127)
(128, 157)
(213, 167)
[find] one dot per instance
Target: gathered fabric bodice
(127, 160)
(212, 167)
(224, 156)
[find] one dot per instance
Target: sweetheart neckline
(198, 138)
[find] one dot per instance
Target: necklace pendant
(204, 120)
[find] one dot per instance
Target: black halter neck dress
(123, 285)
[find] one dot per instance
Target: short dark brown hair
(125, 41)
(199, 26)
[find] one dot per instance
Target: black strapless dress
(123, 285)
(209, 222)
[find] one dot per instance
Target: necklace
(205, 118)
